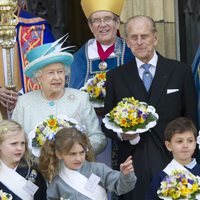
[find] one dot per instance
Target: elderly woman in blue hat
(48, 65)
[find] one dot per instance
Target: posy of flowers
(179, 185)
(95, 87)
(48, 129)
(130, 114)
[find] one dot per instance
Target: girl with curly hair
(65, 161)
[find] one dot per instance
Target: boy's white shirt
(14, 182)
(79, 182)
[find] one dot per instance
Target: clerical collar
(103, 55)
(92, 49)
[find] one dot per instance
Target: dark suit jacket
(150, 154)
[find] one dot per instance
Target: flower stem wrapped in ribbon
(131, 116)
(95, 87)
(5, 196)
(179, 185)
(47, 129)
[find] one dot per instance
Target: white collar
(191, 164)
(175, 165)
(153, 61)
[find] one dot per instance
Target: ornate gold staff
(8, 22)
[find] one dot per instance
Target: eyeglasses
(106, 20)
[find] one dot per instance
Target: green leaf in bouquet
(100, 100)
(35, 142)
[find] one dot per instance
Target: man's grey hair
(144, 17)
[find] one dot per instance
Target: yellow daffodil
(95, 87)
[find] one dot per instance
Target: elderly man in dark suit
(170, 89)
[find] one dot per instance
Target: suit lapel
(161, 78)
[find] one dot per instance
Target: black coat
(150, 154)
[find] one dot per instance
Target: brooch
(71, 97)
(33, 176)
(103, 65)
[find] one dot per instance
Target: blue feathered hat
(46, 54)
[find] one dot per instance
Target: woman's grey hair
(37, 74)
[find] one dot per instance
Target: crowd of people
(131, 166)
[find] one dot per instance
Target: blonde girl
(17, 173)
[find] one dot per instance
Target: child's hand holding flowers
(126, 136)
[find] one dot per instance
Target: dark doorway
(189, 29)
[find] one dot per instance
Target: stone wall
(163, 12)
